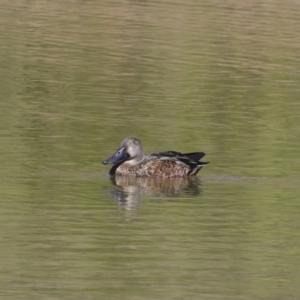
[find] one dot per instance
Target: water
(79, 77)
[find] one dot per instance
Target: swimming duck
(130, 160)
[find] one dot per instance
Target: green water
(79, 77)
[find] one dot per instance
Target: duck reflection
(131, 189)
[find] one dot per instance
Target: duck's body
(130, 160)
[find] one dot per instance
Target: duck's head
(131, 149)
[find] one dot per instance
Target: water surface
(77, 78)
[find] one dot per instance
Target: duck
(130, 160)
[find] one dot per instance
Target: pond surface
(78, 77)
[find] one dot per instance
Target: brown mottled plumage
(130, 160)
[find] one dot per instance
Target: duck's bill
(119, 156)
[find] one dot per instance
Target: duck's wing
(194, 156)
(188, 163)
(167, 154)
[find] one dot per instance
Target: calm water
(78, 77)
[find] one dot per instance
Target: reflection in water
(132, 188)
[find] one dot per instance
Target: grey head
(130, 150)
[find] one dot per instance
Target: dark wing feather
(195, 156)
(167, 154)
